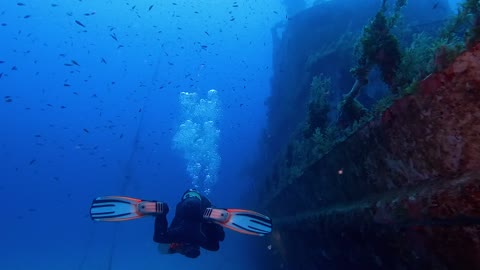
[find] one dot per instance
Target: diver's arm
(160, 231)
(161, 225)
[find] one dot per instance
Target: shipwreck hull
(403, 192)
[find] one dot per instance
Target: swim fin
(242, 221)
(121, 208)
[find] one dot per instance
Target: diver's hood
(191, 194)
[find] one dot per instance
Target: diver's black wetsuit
(189, 231)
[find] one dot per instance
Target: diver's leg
(211, 245)
(191, 251)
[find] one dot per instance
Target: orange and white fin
(121, 208)
(239, 220)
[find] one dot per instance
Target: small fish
(75, 63)
(66, 85)
(103, 60)
(54, 5)
(8, 100)
(133, 8)
(68, 64)
(204, 47)
(27, 16)
(86, 130)
(206, 33)
(62, 107)
(14, 68)
(1, 62)
(32, 161)
(150, 8)
(114, 36)
(232, 19)
(79, 23)
(20, 4)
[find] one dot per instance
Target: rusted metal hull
(403, 192)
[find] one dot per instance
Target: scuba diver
(188, 231)
(196, 224)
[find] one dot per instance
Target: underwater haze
(93, 104)
(254, 103)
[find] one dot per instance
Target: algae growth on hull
(393, 185)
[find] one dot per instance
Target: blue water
(91, 108)
(90, 105)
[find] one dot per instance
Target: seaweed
(377, 47)
(467, 21)
(318, 106)
(427, 54)
(417, 61)
(351, 110)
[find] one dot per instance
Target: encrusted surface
(403, 192)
